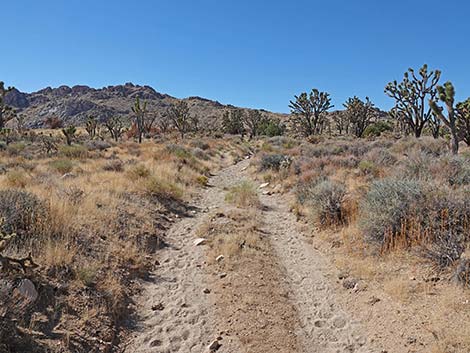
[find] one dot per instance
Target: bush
(163, 188)
(368, 168)
(97, 145)
(200, 144)
(274, 162)
(446, 224)
(15, 149)
(387, 204)
(139, 171)
(325, 200)
(115, 165)
(24, 214)
(73, 151)
(243, 195)
(378, 128)
(16, 179)
(62, 166)
(179, 151)
(381, 156)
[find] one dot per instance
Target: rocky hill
(74, 104)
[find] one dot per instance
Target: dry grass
(243, 195)
(102, 212)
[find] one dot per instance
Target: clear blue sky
(247, 52)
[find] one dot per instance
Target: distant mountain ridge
(74, 104)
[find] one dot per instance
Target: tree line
(420, 103)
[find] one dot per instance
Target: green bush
(62, 166)
(73, 151)
(274, 162)
(378, 128)
(23, 214)
(387, 204)
(325, 201)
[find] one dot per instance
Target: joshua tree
(69, 133)
(446, 95)
(149, 122)
(254, 121)
(6, 112)
(115, 127)
(91, 125)
(232, 122)
(180, 118)
(164, 123)
(411, 95)
(463, 120)
(341, 120)
(308, 111)
(140, 111)
(435, 125)
(359, 114)
(20, 123)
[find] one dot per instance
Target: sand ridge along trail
(179, 308)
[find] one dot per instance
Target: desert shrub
(139, 171)
(15, 149)
(16, 178)
(387, 204)
(325, 202)
(425, 144)
(114, 165)
(367, 167)
(377, 128)
(243, 195)
(200, 154)
(97, 145)
(73, 151)
(62, 166)
(163, 188)
(283, 141)
(274, 162)
(346, 161)
(416, 165)
(272, 127)
(23, 214)
(454, 169)
(202, 180)
(200, 144)
(380, 156)
(178, 151)
(446, 223)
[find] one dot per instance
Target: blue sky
(248, 53)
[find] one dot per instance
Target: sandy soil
(286, 299)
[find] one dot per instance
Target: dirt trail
(186, 319)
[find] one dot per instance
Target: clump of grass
(139, 171)
(87, 275)
(179, 151)
(62, 166)
(115, 165)
(202, 180)
(163, 188)
(243, 195)
(16, 178)
(24, 214)
(73, 151)
(368, 168)
(16, 148)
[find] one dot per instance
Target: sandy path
(324, 326)
(186, 322)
